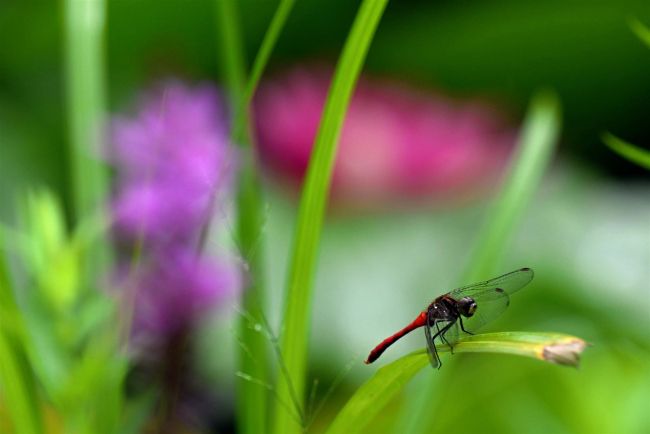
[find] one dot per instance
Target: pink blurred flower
(398, 144)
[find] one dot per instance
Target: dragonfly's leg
(463, 327)
(444, 339)
(433, 344)
(441, 333)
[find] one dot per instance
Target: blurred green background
(586, 234)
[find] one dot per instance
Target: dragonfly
(463, 310)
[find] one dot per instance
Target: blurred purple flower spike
(177, 290)
(398, 144)
(173, 157)
(174, 167)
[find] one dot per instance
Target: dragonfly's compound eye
(467, 306)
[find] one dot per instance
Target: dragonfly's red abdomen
(420, 321)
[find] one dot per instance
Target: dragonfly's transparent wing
(492, 297)
(509, 283)
(436, 335)
(431, 348)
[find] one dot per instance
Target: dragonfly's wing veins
(509, 283)
(488, 308)
(431, 347)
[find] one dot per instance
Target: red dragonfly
(469, 307)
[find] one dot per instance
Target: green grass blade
(640, 30)
(372, 397)
(630, 152)
(17, 383)
(251, 398)
(231, 50)
(312, 207)
(262, 58)
(84, 30)
(253, 360)
(534, 150)
(18, 389)
(85, 86)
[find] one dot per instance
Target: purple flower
(173, 157)
(398, 143)
(174, 164)
(177, 289)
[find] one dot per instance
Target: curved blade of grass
(372, 397)
(630, 152)
(640, 30)
(537, 141)
(312, 207)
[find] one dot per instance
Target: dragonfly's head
(467, 306)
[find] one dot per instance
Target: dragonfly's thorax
(443, 308)
(448, 308)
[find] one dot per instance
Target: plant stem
(311, 211)
(84, 25)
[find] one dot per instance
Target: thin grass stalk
(242, 116)
(297, 312)
(252, 358)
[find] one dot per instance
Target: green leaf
(17, 383)
(310, 215)
(370, 399)
(640, 157)
(138, 410)
(557, 348)
(640, 30)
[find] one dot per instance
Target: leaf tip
(566, 352)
